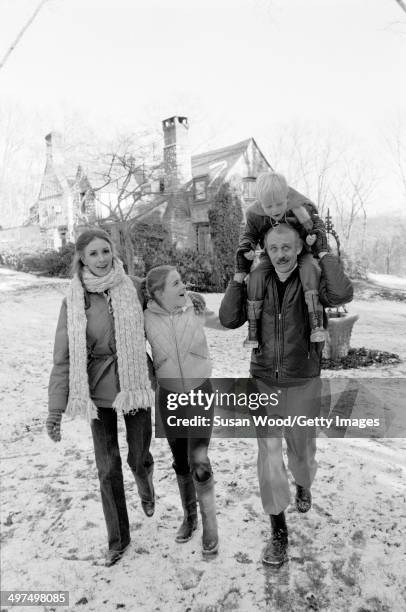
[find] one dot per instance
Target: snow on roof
(203, 162)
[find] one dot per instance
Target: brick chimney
(177, 159)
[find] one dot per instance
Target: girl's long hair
(156, 279)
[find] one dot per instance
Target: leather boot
(303, 499)
(254, 311)
(188, 496)
(207, 503)
(146, 490)
(275, 553)
(112, 556)
(317, 331)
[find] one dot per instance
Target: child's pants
(189, 453)
(309, 272)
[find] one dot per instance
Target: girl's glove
(53, 424)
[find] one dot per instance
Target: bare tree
(21, 33)
(309, 159)
(396, 144)
(351, 192)
(402, 4)
(128, 184)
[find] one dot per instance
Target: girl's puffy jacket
(178, 342)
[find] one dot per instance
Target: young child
(278, 203)
(174, 321)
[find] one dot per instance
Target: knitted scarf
(135, 389)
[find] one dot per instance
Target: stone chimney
(54, 155)
(177, 159)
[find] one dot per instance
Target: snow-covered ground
(346, 554)
(388, 280)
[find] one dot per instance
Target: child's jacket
(179, 347)
(301, 213)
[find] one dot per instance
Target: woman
(174, 322)
(101, 368)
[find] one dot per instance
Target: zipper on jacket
(279, 326)
(177, 350)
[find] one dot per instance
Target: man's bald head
(283, 245)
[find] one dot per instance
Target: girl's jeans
(189, 451)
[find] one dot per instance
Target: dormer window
(249, 191)
(200, 189)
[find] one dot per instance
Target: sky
(236, 68)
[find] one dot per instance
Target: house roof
(203, 162)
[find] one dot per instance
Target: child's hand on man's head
(250, 255)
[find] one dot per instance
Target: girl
(174, 322)
(100, 368)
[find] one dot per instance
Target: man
(287, 362)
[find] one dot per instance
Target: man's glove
(53, 424)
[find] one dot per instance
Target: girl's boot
(207, 503)
(188, 496)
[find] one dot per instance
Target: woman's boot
(207, 503)
(188, 496)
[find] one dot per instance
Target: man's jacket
(285, 354)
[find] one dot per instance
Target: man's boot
(317, 331)
(303, 499)
(146, 490)
(188, 496)
(254, 311)
(276, 551)
(207, 503)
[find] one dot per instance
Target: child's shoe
(251, 341)
(317, 331)
(254, 311)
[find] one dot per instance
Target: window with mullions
(200, 190)
(203, 238)
(249, 191)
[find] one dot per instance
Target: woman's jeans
(108, 462)
(189, 452)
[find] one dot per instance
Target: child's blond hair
(271, 184)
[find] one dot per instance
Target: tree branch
(402, 4)
(21, 33)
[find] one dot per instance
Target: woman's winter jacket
(101, 351)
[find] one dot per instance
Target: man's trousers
(303, 401)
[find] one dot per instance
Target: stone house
(190, 182)
(66, 199)
(180, 199)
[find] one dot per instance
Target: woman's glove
(53, 424)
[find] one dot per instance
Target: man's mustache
(283, 260)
